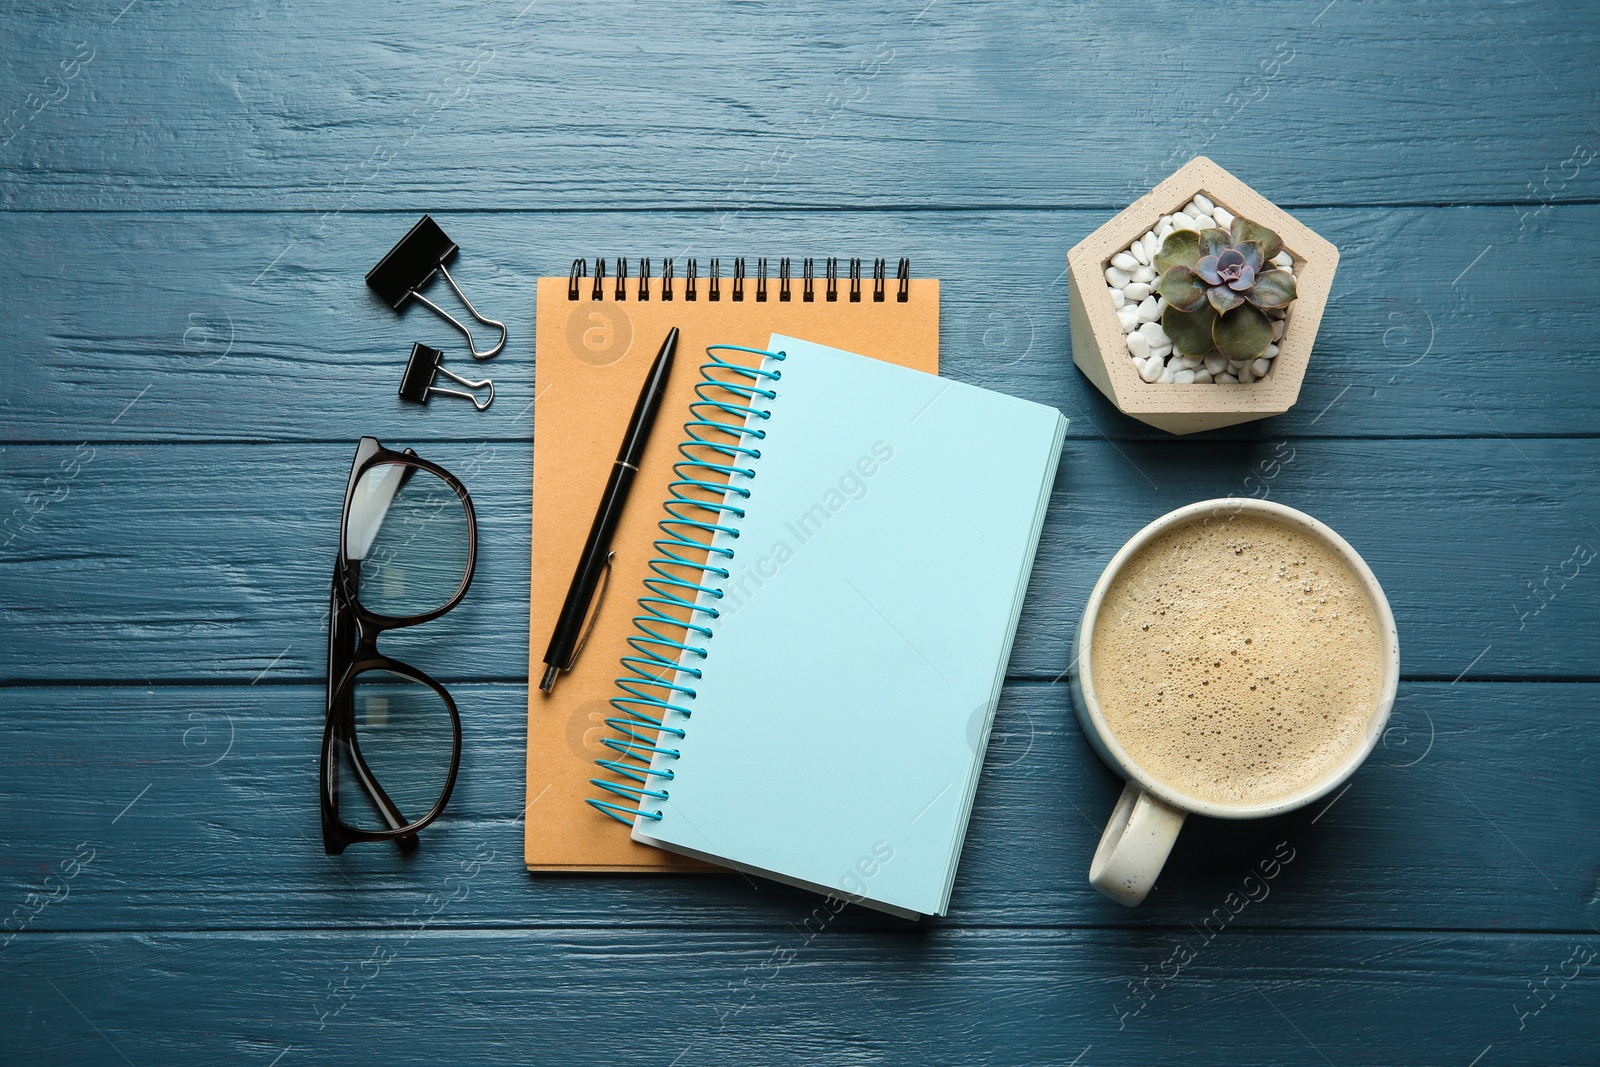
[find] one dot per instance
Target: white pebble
(1182, 222)
(1166, 375)
(1164, 229)
(1202, 377)
(1225, 379)
(1152, 243)
(1123, 261)
(1190, 362)
(1137, 291)
(1204, 203)
(1277, 330)
(1150, 370)
(1162, 351)
(1194, 210)
(1216, 363)
(1139, 346)
(1155, 334)
(1117, 299)
(1183, 377)
(1166, 220)
(1145, 274)
(1129, 318)
(1245, 377)
(1223, 216)
(1270, 353)
(1148, 312)
(1282, 259)
(1137, 251)
(1118, 277)
(1260, 367)
(1205, 222)
(1161, 304)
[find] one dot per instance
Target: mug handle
(1135, 845)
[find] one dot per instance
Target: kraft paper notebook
(817, 659)
(593, 347)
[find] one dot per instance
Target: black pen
(566, 641)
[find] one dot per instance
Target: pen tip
(548, 682)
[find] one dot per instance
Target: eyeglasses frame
(344, 608)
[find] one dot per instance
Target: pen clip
(599, 601)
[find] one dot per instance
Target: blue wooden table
(189, 197)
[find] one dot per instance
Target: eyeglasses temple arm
(341, 707)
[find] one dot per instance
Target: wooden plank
(112, 335)
(466, 105)
(210, 562)
(892, 994)
(199, 804)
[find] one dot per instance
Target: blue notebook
(849, 543)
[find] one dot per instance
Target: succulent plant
(1217, 284)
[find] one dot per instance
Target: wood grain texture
(257, 327)
(305, 106)
(189, 197)
(887, 994)
(1445, 828)
(210, 563)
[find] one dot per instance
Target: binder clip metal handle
(421, 368)
(411, 264)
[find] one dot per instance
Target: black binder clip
(411, 264)
(421, 368)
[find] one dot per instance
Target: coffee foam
(1237, 660)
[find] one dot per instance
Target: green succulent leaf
(1223, 299)
(1274, 289)
(1181, 288)
(1245, 230)
(1213, 241)
(1180, 249)
(1191, 330)
(1243, 333)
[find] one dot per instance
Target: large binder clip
(411, 264)
(424, 364)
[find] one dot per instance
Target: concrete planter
(1098, 342)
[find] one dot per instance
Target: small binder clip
(424, 364)
(411, 264)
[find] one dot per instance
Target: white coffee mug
(1146, 820)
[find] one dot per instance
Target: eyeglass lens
(407, 529)
(403, 742)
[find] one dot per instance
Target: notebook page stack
(594, 349)
(859, 641)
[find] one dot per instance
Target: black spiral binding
(721, 451)
(691, 291)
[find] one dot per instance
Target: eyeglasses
(391, 742)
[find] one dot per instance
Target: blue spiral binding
(700, 498)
